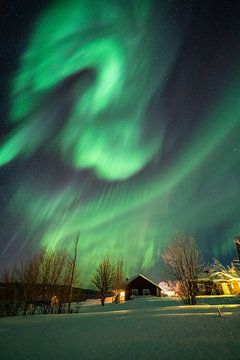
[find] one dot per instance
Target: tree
(119, 279)
(9, 306)
(183, 261)
(216, 266)
(72, 271)
(237, 243)
(103, 279)
(47, 274)
(42, 274)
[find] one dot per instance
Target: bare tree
(72, 271)
(48, 274)
(119, 281)
(9, 304)
(28, 274)
(103, 279)
(41, 274)
(237, 243)
(183, 261)
(216, 266)
(119, 278)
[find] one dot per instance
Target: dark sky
(120, 121)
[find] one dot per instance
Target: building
(219, 280)
(218, 283)
(141, 285)
(36, 293)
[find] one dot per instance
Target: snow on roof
(217, 275)
(144, 277)
(225, 274)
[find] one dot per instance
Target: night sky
(119, 120)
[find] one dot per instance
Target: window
(146, 292)
(135, 292)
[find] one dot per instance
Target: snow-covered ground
(144, 328)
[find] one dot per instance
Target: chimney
(237, 242)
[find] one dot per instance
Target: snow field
(144, 328)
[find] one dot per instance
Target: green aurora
(93, 137)
(106, 184)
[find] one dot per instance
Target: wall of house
(141, 284)
(219, 287)
(235, 284)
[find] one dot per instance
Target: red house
(141, 285)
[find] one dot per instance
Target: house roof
(218, 276)
(144, 277)
(223, 274)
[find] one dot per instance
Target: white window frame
(135, 292)
(146, 291)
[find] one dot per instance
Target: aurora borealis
(120, 120)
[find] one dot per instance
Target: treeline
(42, 283)
(49, 282)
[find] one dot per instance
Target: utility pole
(73, 266)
